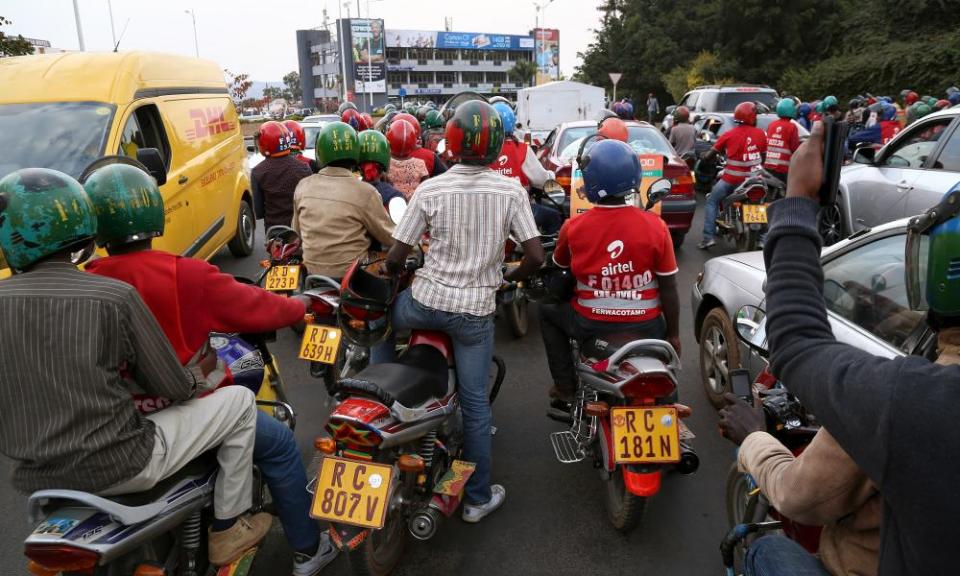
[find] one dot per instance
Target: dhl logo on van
(207, 122)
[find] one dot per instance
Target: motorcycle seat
(419, 375)
(196, 467)
(606, 345)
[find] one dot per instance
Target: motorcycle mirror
(397, 208)
(752, 329)
(552, 187)
(659, 190)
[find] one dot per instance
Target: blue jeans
(721, 190)
(473, 351)
(276, 454)
(778, 555)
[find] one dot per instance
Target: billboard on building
(457, 40)
(369, 57)
(547, 54)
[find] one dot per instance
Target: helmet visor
(917, 252)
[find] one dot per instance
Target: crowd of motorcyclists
(136, 323)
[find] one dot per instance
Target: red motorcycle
(391, 463)
(283, 269)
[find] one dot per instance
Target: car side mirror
(752, 329)
(669, 109)
(153, 161)
(865, 155)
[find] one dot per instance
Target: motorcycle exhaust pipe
(689, 461)
(424, 523)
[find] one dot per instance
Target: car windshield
(64, 136)
(643, 139)
(729, 100)
(310, 134)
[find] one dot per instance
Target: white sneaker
(304, 565)
(474, 513)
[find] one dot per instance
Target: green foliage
(292, 83)
(809, 47)
(13, 45)
(523, 72)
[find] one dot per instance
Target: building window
(446, 77)
(496, 77)
(421, 77)
(471, 77)
(315, 59)
(421, 53)
(447, 54)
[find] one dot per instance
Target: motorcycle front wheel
(381, 551)
(517, 314)
(624, 509)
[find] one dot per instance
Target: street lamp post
(540, 23)
(196, 46)
(76, 16)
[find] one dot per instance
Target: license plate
(320, 344)
(754, 213)
(282, 278)
(350, 492)
(645, 435)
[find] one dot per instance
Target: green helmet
(374, 147)
(933, 243)
(337, 141)
(923, 109)
(433, 120)
(787, 108)
(830, 102)
(128, 204)
(42, 212)
(422, 113)
(474, 135)
(344, 106)
(410, 109)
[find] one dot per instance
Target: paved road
(554, 520)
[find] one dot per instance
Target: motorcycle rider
(275, 179)
(891, 415)
(75, 337)
(298, 142)
(335, 213)
(889, 125)
(518, 161)
(623, 261)
(783, 138)
(130, 214)
(803, 115)
(469, 212)
(406, 172)
(683, 135)
(744, 146)
(374, 163)
(432, 130)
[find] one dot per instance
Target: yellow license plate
(754, 213)
(282, 279)
(320, 344)
(645, 435)
(350, 492)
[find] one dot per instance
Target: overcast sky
(258, 37)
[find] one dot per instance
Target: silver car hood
(751, 259)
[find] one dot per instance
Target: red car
(561, 146)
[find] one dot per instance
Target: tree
(239, 86)
(523, 72)
(292, 82)
(13, 45)
(272, 93)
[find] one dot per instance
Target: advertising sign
(547, 52)
(457, 40)
(369, 56)
(652, 166)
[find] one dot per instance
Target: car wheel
(830, 224)
(677, 238)
(241, 245)
(719, 353)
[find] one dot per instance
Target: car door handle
(903, 186)
(182, 180)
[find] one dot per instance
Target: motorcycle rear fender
(606, 445)
(347, 537)
(641, 483)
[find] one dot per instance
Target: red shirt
(744, 147)
(427, 156)
(510, 162)
(783, 139)
(616, 254)
(889, 129)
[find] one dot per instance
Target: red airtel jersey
(744, 146)
(616, 254)
(889, 129)
(510, 161)
(783, 139)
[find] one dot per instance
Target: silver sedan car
(864, 291)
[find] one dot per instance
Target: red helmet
(402, 137)
(745, 113)
(681, 114)
(352, 117)
(411, 119)
(941, 104)
(298, 140)
(613, 129)
(273, 139)
(369, 121)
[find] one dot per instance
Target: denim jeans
(473, 352)
(721, 190)
(275, 452)
(780, 556)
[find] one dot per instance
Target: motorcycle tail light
(52, 558)
(563, 178)
(149, 570)
(320, 307)
(648, 386)
(325, 445)
(598, 408)
(756, 194)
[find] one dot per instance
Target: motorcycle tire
(517, 314)
(741, 508)
(746, 241)
(382, 550)
(624, 509)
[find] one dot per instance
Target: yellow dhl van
(64, 111)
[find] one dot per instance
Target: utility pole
(343, 54)
(76, 16)
(196, 46)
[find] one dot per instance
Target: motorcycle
(742, 216)
(162, 530)
(283, 269)
(392, 461)
(748, 511)
(624, 416)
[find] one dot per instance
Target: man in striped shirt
(469, 211)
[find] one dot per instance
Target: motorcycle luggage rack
(571, 445)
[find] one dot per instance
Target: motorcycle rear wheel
(381, 551)
(517, 314)
(624, 509)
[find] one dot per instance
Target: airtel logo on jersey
(615, 249)
(502, 160)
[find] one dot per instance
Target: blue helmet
(611, 169)
(507, 117)
(954, 98)
(804, 110)
(244, 362)
(888, 112)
